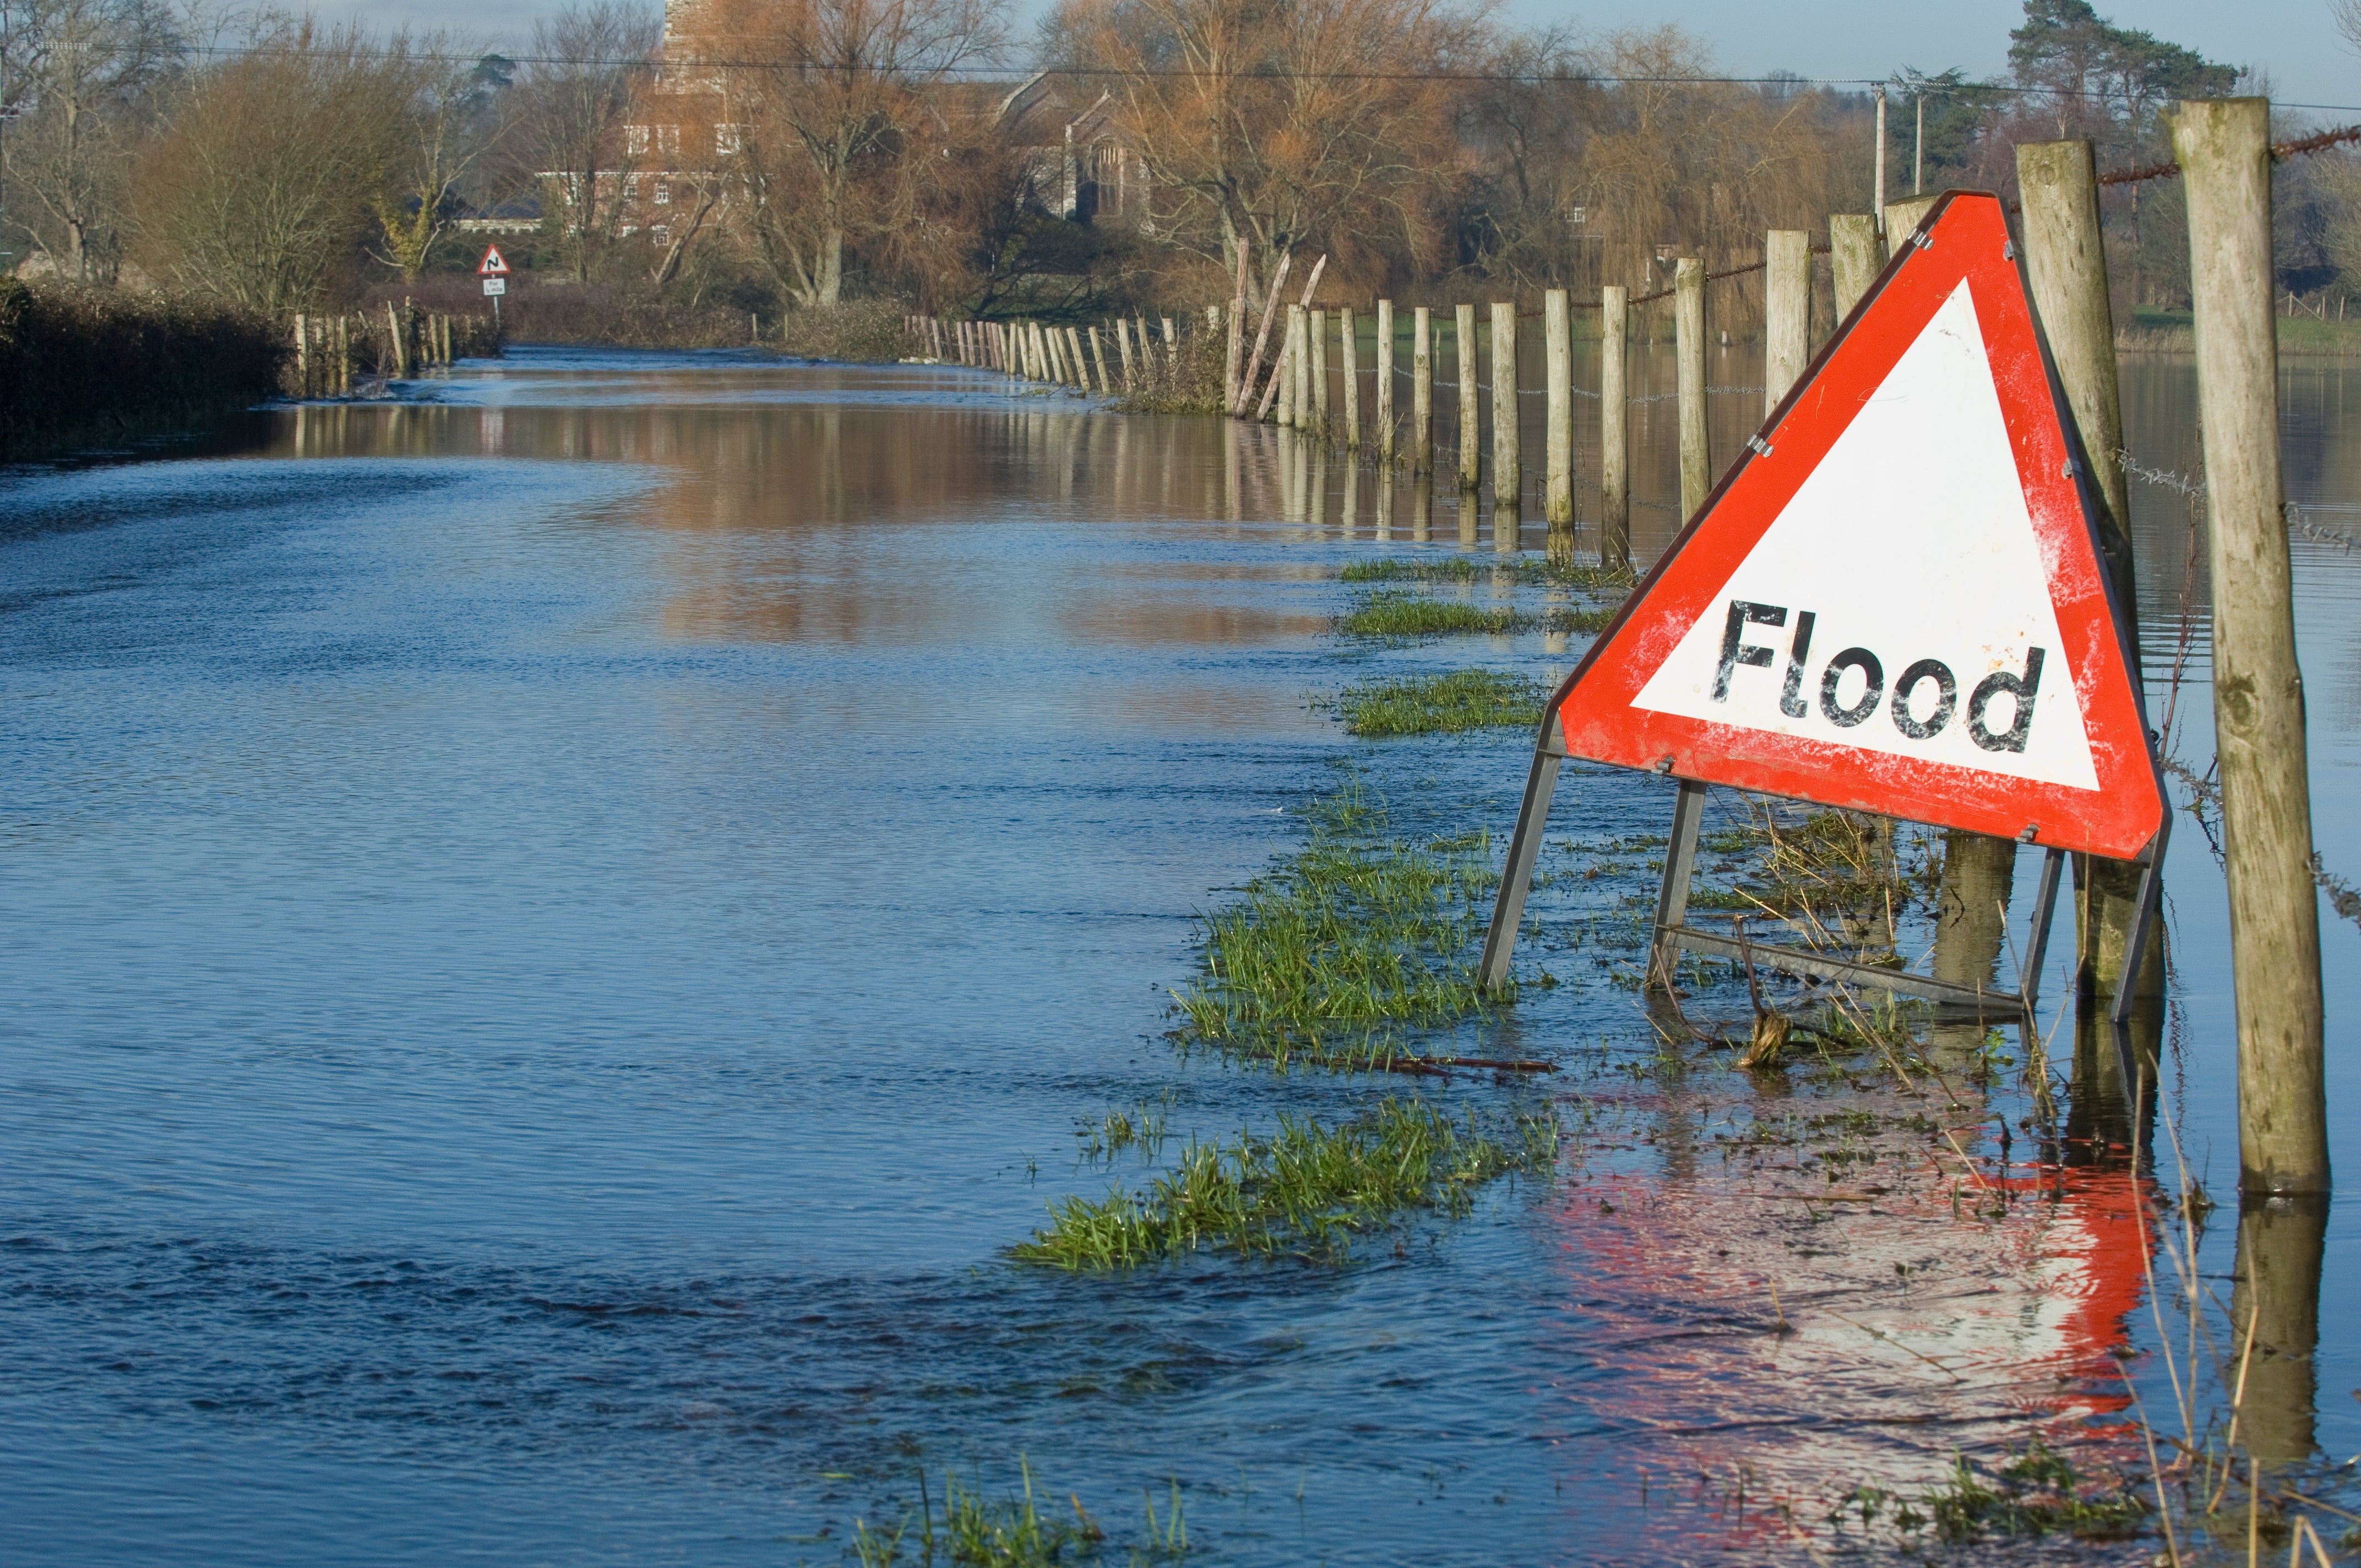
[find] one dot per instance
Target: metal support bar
(1680, 869)
(1672, 933)
(2036, 953)
(1517, 876)
(1796, 960)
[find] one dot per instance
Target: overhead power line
(1018, 76)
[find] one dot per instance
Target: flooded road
(555, 934)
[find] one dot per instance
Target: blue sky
(2292, 41)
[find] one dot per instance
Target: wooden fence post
(1385, 400)
(1262, 337)
(303, 358)
(1315, 365)
(1471, 456)
(1098, 355)
(1123, 352)
(1231, 396)
(1508, 455)
(396, 349)
(1557, 351)
(1348, 351)
(1854, 256)
(1290, 361)
(1786, 313)
(2067, 261)
(2223, 147)
(1902, 217)
(1688, 338)
(1614, 433)
(1422, 390)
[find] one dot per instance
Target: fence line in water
(2222, 154)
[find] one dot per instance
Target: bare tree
(258, 186)
(78, 71)
(1321, 122)
(588, 65)
(2347, 14)
(458, 117)
(829, 109)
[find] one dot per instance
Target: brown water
(558, 930)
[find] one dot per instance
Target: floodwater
(556, 930)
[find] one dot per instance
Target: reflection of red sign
(1929, 1310)
(494, 264)
(1894, 600)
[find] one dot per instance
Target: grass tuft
(1521, 570)
(1441, 704)
(1356, 934)
(1395, 614)
(1306, 1189)
(974, 1530)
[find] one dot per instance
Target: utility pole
(1918, 151)
(1877, 200)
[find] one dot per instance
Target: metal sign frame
(2063, 478)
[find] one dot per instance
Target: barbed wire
(2297, 517)
(2205, 791)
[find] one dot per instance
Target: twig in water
(1897, 1344)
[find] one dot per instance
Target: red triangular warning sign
(1894, 602)
(494, 264)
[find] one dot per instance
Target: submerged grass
(1306, 1189)
(1522, 570)
(1355, 935)
(1389, 614)
(976, 1529)
(1437, 704)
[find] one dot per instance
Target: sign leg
(2045, 906)
(1517, 876)
(1680, 866)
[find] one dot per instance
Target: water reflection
(566, 926)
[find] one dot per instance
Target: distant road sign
(1894, 601)
(496, 285)
(494, 264)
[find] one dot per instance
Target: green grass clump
(1355, 935)
(2031, 1493)
(1390, 614)
(975, 1530)
(1582, 623)
(1522, 570)
(1306, 1189)
(1441, 704)
(1443, 569)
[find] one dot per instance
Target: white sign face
(1955, 657)
(496, 285)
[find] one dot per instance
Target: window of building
(668, 139)
(635, 140)
(663, 192)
